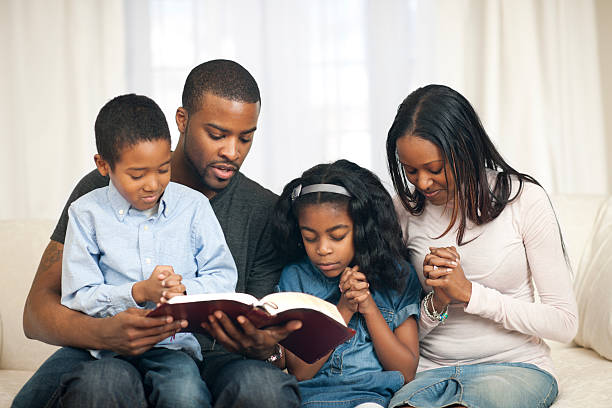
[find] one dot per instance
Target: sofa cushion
(23, 242)
(593, 286)
(584, 377)
(11, 382)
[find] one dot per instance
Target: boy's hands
(355, 291)
(161, 286)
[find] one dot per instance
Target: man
(217, 122)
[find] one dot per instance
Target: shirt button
(120, 212)
(146, 227)
(148, 260)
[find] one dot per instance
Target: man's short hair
(223, 78)
(125, 121)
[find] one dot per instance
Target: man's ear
(181, 119)
(102, 165)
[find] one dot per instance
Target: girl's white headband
(298, 191)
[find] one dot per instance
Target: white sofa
(585, 376)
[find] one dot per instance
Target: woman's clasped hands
(443, 272)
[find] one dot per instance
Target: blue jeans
(41, 387)
(236, 381)
(233, 380)
(158, 377)
(503, 385)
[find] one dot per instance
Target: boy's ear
(102, 165)
(181, 119)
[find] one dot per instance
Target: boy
(144, 240)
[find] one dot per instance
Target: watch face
(278, 353)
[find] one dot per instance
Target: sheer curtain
(332, 74)
(61, 60)
(531, 68)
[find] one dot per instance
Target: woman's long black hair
(377, 237)
(442, 116)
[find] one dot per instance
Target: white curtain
(61, 61)
(331, 73)
(531, 68)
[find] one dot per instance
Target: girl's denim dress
(353, 374)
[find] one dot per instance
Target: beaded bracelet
(441, 317)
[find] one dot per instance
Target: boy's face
(218, 138)
(142, 172)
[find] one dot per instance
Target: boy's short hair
(125, 121)
(224, 78)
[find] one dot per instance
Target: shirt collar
(121, 206)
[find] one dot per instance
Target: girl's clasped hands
(355, 291)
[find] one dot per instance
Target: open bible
(323, 328)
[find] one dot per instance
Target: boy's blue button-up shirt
(110, 246)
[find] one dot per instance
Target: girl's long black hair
(442, 116)
(377, 237)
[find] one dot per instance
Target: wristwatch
(277, 355)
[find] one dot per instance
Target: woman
(479, 233)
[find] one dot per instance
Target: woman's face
(426, 168)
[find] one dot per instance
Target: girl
(456, 191)
(337, 226)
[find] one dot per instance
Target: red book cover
(323, 328)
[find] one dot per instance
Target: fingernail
(453, 263)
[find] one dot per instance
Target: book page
(238, 297)
(281, 301)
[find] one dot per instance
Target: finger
(359, 276)
(360, 285)
(247, 327)
(442, 262)
(349, 295)
(444, 253)
(236, 334)
(346, 274)
(174, 286)
(362, 297)
(163, 270)
(218, 332)
(170, 295)
(437, 272)
(353, 294)
(142, 344)
(454, 250)
(437, 283)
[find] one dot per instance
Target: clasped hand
(355, 291)
(161, 286)
(443, 272)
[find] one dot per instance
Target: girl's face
(426, 169)
(327, 233)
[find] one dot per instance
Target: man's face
(218, 138)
